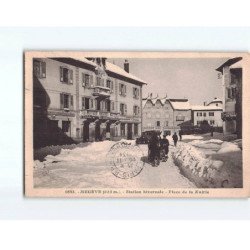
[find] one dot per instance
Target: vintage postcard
(137, 124)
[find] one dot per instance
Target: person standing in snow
(175, 139)
(212, 131)
(164, 144)
(180, 134)
(153, 147)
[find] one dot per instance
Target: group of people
(158, 145)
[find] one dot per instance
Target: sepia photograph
(121, 126)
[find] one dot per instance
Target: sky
(193, 78)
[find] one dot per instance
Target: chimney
(126, 66)
(205, 103)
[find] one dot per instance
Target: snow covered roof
(118, 70)
(215, 100)
(229, 62)
(181, 105)
(205, 108)
(109, 66)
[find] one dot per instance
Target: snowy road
(86, 168)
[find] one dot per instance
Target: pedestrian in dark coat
(153, 147)
(212, 131)
(164, 144)
(180, 134)
(175, 139)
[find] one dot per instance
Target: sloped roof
(215, 100)
(229, 62)
(118, 70)
(180, 105)
(81, 61)
(205, 108)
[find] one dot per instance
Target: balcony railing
(101, 91)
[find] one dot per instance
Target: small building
(165, 114)
(231, 72)
(210, 113)
(84, 99)
(216, 102)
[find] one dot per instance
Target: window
(110, 85)
(123, 109)
(92, 103)
(87, 80)
(39, 69)
(136, 93)
(65, 126)
(112, 106)
(66, 75)
(135, 129)
(231, 93)
(211, 113)
(99, 81)
(122, 129)
(204, 114)
(122, 89)
(105, 105)
(198, 123)
(212, 122)
(199, 113)
(180, 118)
(66, 101)
(166, 123)
(136, 110)
(85, 103)
(158, 123)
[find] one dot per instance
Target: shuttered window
(86, 80)
(66, 101)
(39, 68)
(66, 75)
(123, 109)
(122, 89)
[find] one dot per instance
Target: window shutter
(61, 74)
(71, 76)
(71, 102)
(95, 104)
(125, 108)
(83, 103)
(91, 80)
(125, 89)
(83, 80)
(36, 68)
(43, 66)
(120, 88)
(102, 82)
(138, 111)
(61, 101)
(111, 86)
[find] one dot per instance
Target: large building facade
(84, 99)
(164, 114)
(231, 72)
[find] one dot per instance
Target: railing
(101, 91)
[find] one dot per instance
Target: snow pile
(95, 152)
(213, 144)
(187, 157)
(192, 137)
(38, 164)
(227, 147)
